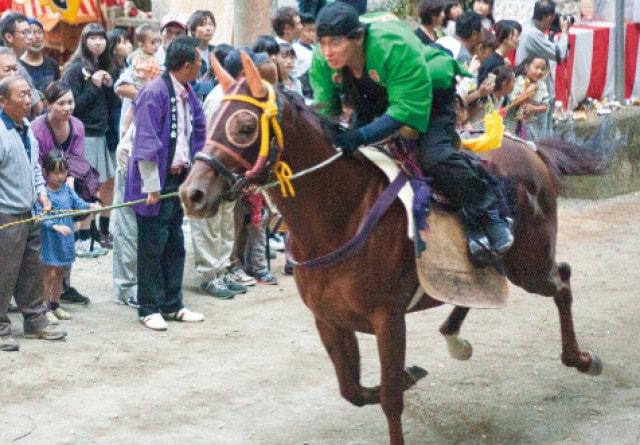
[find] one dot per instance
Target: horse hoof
(459, 348)
(413, 374)
(565, 271)
(595, 367)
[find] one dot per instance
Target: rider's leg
(465, 184)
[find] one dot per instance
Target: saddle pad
(446, 273)
(444, 269)
(391, 170)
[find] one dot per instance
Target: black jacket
(93, 104)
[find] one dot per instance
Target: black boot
(478, 244)
(499, 232)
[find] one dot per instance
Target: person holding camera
(534, 42)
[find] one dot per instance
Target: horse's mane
(568, 159)
(330, 127)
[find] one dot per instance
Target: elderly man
(170, 129)
(535, 43)
(21, 183)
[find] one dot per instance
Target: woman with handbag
(59, 130)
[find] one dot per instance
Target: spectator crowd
(115, 124)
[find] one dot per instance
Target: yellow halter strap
(269, 120)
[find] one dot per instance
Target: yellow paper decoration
(493, 133)
(67, 9)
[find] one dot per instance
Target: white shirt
(304, 55)
(181, 155)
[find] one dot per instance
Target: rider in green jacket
(392, 80)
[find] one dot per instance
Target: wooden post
(251, 18)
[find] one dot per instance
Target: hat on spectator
(173, 19)
(233, 62)
(33, 21)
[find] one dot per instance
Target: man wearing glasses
(17, 35)
(42, 69)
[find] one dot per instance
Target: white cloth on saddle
(389, 167)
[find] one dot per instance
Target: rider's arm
(379, 129)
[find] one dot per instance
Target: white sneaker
(186, 315)
(155, 322)
(240, 276)
(52, 318)
(276, 243)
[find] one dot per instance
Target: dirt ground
(255, 371)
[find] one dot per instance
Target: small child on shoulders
(57, 238)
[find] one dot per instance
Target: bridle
(269, 154)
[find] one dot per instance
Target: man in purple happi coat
(169, 130)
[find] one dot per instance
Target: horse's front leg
(390, 334)
(572, 356)
(342, 347)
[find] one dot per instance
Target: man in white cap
(171, 26)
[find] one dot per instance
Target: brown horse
(370, 290)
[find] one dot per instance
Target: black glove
(349, 141)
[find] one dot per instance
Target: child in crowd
(143, 68)
(529, 99)
(143, 60)
(504, 81)
(452, 10)
(57, 240)
(485, 9)
(286, 62)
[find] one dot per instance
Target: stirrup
(480, 251)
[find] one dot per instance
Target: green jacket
(396, 59)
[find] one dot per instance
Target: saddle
(445, 270)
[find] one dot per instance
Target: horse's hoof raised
(595, 367)
(459, 348)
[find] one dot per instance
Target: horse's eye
(247, 130)
(242, 128)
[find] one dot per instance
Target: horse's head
(243, 141)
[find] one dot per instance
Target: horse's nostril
(196, 196)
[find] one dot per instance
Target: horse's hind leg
(459, 348)
(572, 356)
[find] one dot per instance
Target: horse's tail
(568, 159)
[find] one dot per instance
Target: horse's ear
(254, 80)
(225, 79)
